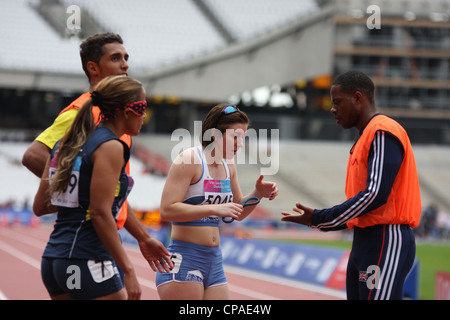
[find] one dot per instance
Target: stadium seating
(247, 20)
(156, 33)
(29, 43)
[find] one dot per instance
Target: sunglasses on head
(225, 111)
(229, 109)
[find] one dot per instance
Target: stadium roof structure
(191, 49)
(162, 37)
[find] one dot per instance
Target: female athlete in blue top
(87, 186)
(202, 187)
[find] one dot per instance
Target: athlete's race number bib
(69, 197)
(218, 191)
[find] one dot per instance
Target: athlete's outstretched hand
(266, 189)
(156, 255)
(304, 217)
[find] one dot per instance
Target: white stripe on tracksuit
(375, 181)
(389, 268)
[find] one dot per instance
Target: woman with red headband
(86, 183)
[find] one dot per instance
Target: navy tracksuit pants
(379, 262)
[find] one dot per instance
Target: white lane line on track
(237, 289)
(249, 274)
(150, 284)
(20, 255)
(147, 283)
(287, 282)
(232, 287)
(2, 296)
(31, 241)
(244, 291)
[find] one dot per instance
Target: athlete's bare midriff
(207, 236)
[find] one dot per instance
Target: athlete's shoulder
(77, 103)
(382, 121)
(104, 139)
(189, 156)
(58, 128)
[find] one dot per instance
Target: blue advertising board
(310, 264)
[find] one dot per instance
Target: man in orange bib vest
(383, 196)
(101, 55)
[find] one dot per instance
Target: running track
(21, 248)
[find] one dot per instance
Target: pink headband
(137, 107)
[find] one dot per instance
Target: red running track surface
(21, 248)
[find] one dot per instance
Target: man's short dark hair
(91, 49)
(352, 81)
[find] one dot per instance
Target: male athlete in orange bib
(383, 196)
